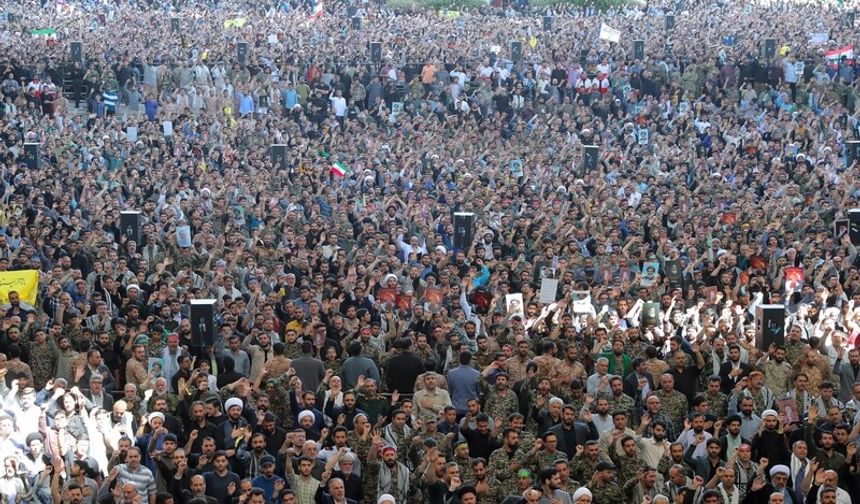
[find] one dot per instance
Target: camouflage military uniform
(777, 377)
(622, 402)
(499, 468)
(467, 474)
(42, 363)
(718, 403)
(565, 372)
(516, 367)
(527, 440)
(666, 463)
(546, 460)
(546, 364)
(674, 406)
(793, 351)
(279, 398)
(491, 495)
(500, 406)
(627, 466)
(292, 350)
(570, 486)
(582, 468)
(607, 493)
(656, 368)
(484, 358)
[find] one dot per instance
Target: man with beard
(694, 430)
(133, 472)
(604, 488)
(825, 454)
(75, 492)
(771, 442)
(390, 475)
(235, 425)
(267, 480)
(348, 411)
(462, 458)
(732, 439)
(777, 371)
(135, 368)
(848, 372)
(567, 370)
(199, 428)
(583, 465)
(687, 377)
(78, 476)
(762, 492)
(744, 467)
(487, 488)
(705, 466)
(674, 457)
(501, 401)
(163, 459)
(551, 486)
(196, 491)
(618, 400)
(628, 461)
(643, 485)
(251, 461)
(734, 370)
(221, 480)
(572, 433)
(507, 460)
(482, 441)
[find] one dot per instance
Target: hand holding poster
(581, 302)
(514, 303)
(548, 290)
(609, 33)
(794, 278)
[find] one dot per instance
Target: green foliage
(437, 4)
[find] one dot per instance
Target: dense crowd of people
(595, 343)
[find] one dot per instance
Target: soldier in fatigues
(717, 400)
(603, 486)
(501, 401)
(672, 403)
(628, 462)
(777, 372)
(618, 400)
(506, 461)
(585, 462)
(462, 458)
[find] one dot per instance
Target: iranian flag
(48, 33)
(318, 10)
(836, 55)
(338, 169)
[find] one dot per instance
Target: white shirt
(338, 103)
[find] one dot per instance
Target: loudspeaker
(583, 57)
(639, 49)
(769, 48)
(279, 155)
(516, 51)
(203, 328)
(770, 326)
(852, 151)
(850, 17)
(376, 52)
(242, 52)
(670, 21)
(854, 225)
(175, 24)
(464, 230)
(129, 225)
(547, 23)
(32, 155)
(590, 158)
(76, 52)
(356, 23)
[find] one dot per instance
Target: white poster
(548, 290)
(581, 302)
(167, 128)
(514, 304)
(131, 134)
(609, 33)
(183, 236)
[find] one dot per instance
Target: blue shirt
(291, 98)
(266, 484)
(246, 104)
(463, 385)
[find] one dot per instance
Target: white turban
(156, 414)
(233, 401)
(581, 492)
(386, 498)
(305, 414)
(779, 469)
(769, 412)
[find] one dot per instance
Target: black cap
(267, 459)
(605, 466)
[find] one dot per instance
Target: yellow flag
(24, 282)
(235, 22)
(533, 42)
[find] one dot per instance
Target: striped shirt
(141, 478)
(110, 98)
